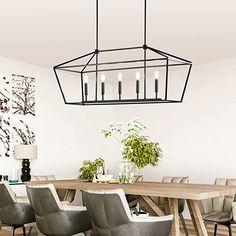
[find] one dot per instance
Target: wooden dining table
(145, 191)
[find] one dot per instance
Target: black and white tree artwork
(4, 95)
(23, 92)
(4, 136)
(23, 134)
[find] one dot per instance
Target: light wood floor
(7, 232)
(222, 231)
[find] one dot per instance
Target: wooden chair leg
(184, 225)
(215, 229)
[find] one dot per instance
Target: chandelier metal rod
(160, 53)
(125, 68)
(145, 73)
(84, 67)
(186, 82)
(59, 84)
(72, 71)
(96, 51)
(123, 102)
(97, 25)
(145, 50)
(145, 22)
(167, 78)
(114, 62)
(75, 59)
(96, 74)
(168, 54)
(120, 49)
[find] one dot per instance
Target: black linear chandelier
(148, 78)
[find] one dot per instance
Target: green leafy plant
(89, 168)
(140, 151)
(136, 147)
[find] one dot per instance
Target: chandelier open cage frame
(168, 60)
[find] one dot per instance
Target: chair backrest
(223, 203)
(13, 213)
(51, 216)
(107, 209)
(138, 178)
(46, 205)
(42, 177)
(67, 195)
(110, 215)
(177, 180)
(7, 196)
(44, 199)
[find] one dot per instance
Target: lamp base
(25, 170)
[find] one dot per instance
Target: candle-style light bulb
(156, 75)
(120, 77)
(103, 78)
(85, 79)
(138, 76)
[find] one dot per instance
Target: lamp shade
(25, 152)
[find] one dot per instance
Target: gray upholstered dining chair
(220, 210)
(65, 195)
(110, 215)
(181, 202)
(52, 217)
(12, 213)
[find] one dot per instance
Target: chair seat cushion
(215, 216)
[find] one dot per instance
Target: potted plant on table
(89, 169)
(136, 147)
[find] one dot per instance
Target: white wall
(66, 135)
(197, 136)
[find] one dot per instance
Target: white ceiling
(47, 32)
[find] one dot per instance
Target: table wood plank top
(146, 188)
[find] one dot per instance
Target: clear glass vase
(14, 176)
(126, 172)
